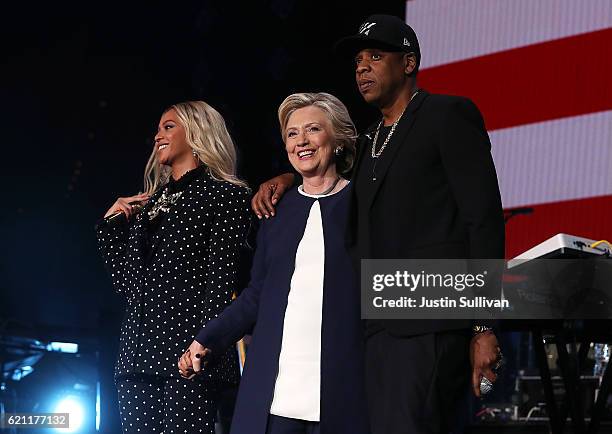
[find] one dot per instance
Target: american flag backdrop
(541, 73)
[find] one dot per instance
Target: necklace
(329, 190)
(163, 204)
(380, 151)
(375, 154)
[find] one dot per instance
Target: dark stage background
(83, 86)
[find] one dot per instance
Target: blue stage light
(63, 347)
(18, 374)
(98, 406)
(71, 405)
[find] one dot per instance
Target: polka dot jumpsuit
(176, 267)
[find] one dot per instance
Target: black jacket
(179, 278)
(436, 193)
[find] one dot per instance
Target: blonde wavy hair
(344, 131)
(207, 135)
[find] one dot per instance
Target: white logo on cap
(406, 42)
(366, 27)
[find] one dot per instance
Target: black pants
(417, 384)
(170, 405)
(286, 425)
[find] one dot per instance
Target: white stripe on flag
(563, 159)
(453, 30)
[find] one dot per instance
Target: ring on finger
(499, 362)
(486, 385)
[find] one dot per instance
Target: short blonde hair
(207, 135)
(344, 131)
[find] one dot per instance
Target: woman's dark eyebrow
(306, 125)
(164, 124)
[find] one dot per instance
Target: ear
(409, 63)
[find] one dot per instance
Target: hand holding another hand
(191, 362)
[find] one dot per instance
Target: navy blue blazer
(261, 308)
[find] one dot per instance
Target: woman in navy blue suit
(304, 371)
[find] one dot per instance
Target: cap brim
(351, 45)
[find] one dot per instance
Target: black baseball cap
(385, 32)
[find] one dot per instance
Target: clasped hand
(193, 360)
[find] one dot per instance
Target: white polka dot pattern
(188, 279)
(171, 406)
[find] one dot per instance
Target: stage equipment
(18, 357)
(572, 338)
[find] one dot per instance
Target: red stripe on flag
(554, 79)
(589, 218)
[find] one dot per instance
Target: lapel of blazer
(364, 142)
(141, 226)
(401, 133)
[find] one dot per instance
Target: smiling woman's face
(170, 141)
(309, 142)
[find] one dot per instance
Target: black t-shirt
(365, 184)
(367, 176)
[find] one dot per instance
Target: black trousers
(417, 384)
(287, 425)
(151, 404)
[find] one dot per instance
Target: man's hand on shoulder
(269, 194)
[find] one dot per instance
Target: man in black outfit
(424, 186)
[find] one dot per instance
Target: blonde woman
(304, 369)
(172, 252)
